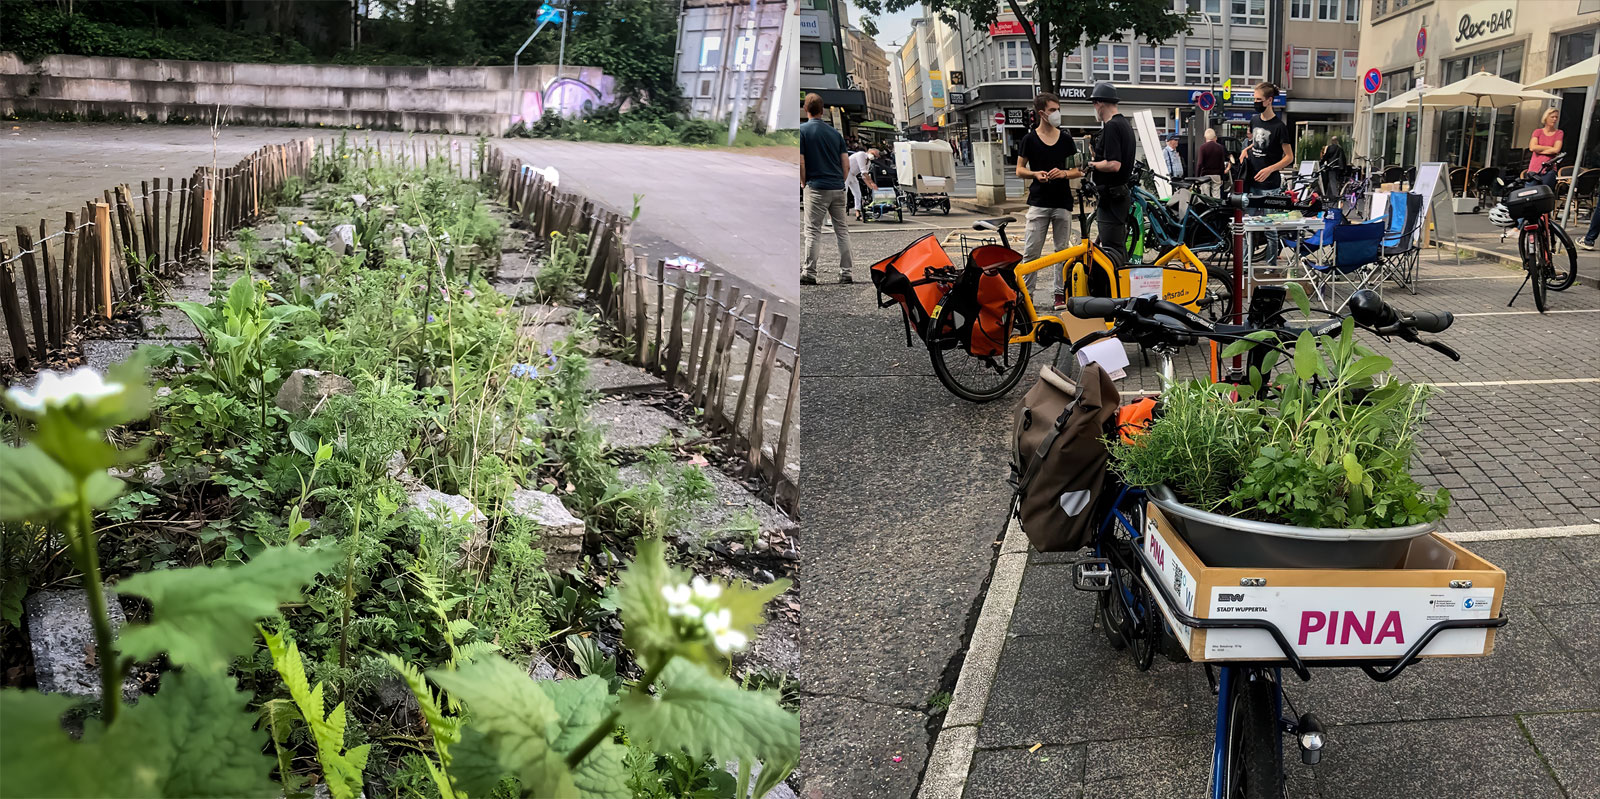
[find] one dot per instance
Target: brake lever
(1098, 335)
(1440, 346)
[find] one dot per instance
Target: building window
(1211, 9)
(1199, 64)
(1248, 66)
(1327, 63)
(1299, 62)
(1073, 66)
(1299, 9)
(1347, 69)
(811, 58)
(1248, 12)
(1352, 10)
(1016, 60)
(1158, 64)
(1574, 47)
(1111, 62)
(1327, 10)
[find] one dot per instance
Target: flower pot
(1232, 542)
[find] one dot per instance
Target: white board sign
(1428, 175)
(1345, 621)
(1173, 575)
(1144, 127)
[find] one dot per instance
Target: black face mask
(1260, 106)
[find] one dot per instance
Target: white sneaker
(1586, 244)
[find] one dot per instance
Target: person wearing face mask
(1114, 152)
(1044, 158)
(1266, 154)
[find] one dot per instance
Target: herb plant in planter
(1327, 447)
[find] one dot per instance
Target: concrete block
(560, 533)
(62, 635)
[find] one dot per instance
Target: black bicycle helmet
(1104, 91)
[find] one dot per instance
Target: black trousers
(1111, 214)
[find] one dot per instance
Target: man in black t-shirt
(1114, 153)
(1046, 158)
(1266, 153)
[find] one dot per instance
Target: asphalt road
(737, 211)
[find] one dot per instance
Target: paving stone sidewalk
(914, 504)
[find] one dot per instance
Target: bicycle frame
(1162, 224)
(1085, 253)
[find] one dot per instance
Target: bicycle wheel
(1535, 259)
(976, 378)
(1219, 293)
(1563, 260)
(1253, 768)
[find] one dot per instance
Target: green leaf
(1297, 294)
(1367, 367)
(581, 705)
(193, 739)
(341, 767)
(1246, 344)
(511, 733)
(303, 442)
(33, 486)
(707, 714)
(1307, 361)
(202, 616)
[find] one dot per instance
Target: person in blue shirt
(1174, 160)
(823, 167)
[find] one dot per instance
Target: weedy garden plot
(361, 504)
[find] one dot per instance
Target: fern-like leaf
(446, 730)
(340, 767)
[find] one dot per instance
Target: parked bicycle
(1138, 607)
(1547, 252)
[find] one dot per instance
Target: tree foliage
(1059, 25)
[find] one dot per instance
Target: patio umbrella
(1583, 75)
(1473, 90)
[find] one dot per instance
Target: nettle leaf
(649, 630)
(341, 767)
(193, 739)
(203, 616)
(511, 733)
(707, 714)
(1297, 295)
(581, 705)
(32, 486)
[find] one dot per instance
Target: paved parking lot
(915, 504)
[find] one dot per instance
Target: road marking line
(1475, 277)
(1524, 313)
(1542, 382)
(951, 759)
(1528, 532)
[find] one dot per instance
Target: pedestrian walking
(955, 152)
(1045, 159)
(1594, 230)
(1213, 162)
(1266, 154)
(1114, 153)
(1544, 144)
(823, 166)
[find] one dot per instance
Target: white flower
(676, 594)
(53, 390)
(705, 589)
(727, 639)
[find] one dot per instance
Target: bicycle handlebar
(1149, 314)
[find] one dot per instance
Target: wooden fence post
(675, 337)
(10, 309)
(780, 454)
(86, 271)
(638, 311)
(102, 232)
(30, 276)
(698, 330)
(763, 383)
(661, 311)
(52, 289)
(69, 276)
(206, 209)
(715, 403)
(710, 311)
(756, 338)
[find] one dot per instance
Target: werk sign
(1481, 22)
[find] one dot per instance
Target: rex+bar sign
(1483, 21)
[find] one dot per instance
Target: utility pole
(743, 63)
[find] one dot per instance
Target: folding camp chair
(1310, 249)
(1400, 257)
(1356, 249)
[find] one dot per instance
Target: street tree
(1059, 25)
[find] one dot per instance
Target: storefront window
(1574, 47)
(1493, 142)
(1327, 63)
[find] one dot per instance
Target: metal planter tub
(1232, 542)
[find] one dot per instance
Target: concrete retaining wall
(450, 99)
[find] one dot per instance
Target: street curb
(951, 759)
(1592, 281)
(1528, 532)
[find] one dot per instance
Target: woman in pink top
(1545, 142)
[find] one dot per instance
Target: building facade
(730, 55)
(1231, 43)
(869, 72)
(824, 68)
(1436, 42)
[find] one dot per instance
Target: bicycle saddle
(994, 223)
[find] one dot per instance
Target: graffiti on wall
(569, 97)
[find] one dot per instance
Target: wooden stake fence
(693, 331)
(108, 249)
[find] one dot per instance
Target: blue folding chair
(1356, 252)
(1315, 247)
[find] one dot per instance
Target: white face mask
(1055, 119)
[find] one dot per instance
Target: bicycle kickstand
(1519, 289)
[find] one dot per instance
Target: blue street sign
(1373, 81)
(1208, 101)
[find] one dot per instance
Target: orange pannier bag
(1134, 418)
(991, 299)
(903, 278)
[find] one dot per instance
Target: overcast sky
(892, 28)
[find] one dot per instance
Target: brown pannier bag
(1059, 460)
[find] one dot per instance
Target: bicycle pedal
(1091, 574)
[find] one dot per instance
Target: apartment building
(869, 72)
(1437, 42)
(824, 68)
(730, 56)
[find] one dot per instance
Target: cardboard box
(1328, 613)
